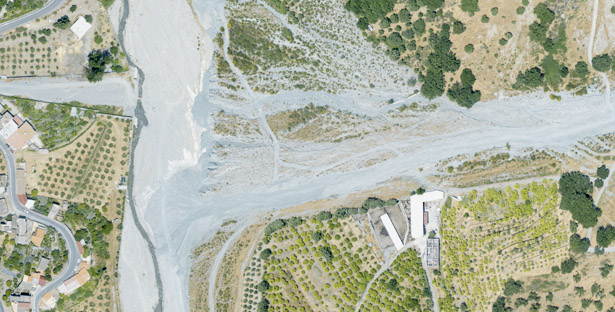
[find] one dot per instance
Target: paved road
(49, 7)
(73, 252)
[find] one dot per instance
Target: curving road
(49, 7)
(70, 268)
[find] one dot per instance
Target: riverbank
(165, 54)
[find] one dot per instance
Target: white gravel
(111, 91)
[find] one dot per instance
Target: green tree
(581, 69)
(602, 172)
(326, 253)
(552, 71)
(530, 79)
(263, 305)
(512, 287)
(544, 14)
(62, 23)
(576, 189)
(373, 10)
(599, 183)
(433, 84)
(274, 226)
(463, 95)
(265, 254)
(97, 63)
(393, 285)
(323, 215)
(469, 6)
(605, 270)
(263, 286)
(602, 62)
(568, 265)
(419, 27)
(578, 244)
(433, 4)
(467, 77)
(605, 236)
(458, 27)
(394, 40)
(500, 305)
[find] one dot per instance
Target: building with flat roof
(50, 299)
(417, 207)
(37, 236)
(20, 138)
(30, 203)
(43, 264)
(8, 129)
(22, 231)
(388, 225)
(71, 284)
(80, 27)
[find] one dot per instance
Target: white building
(417, 207)
(388, 225)
(30, 204)
(80, 27)
(8, 129)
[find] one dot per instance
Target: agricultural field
(588, 287)
(89, 169)
(46, 47)
(319, 263)
(497, 234)
(402, 287)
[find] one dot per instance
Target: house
(80, 27)
(71, 284)
(50, 299)
(9, 125)
(35, 280)
(5, 118)
(37, 236)
(22, 231)
(6, 226)
(20, 302)
(43, 264)
(388, 225)
(3, 182)
(53, 212)
(417, 209)
(20, 138)
(4, 208)
(30, 203)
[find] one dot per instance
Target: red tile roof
(23, 199)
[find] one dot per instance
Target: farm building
(388, 225)
(417, 209)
